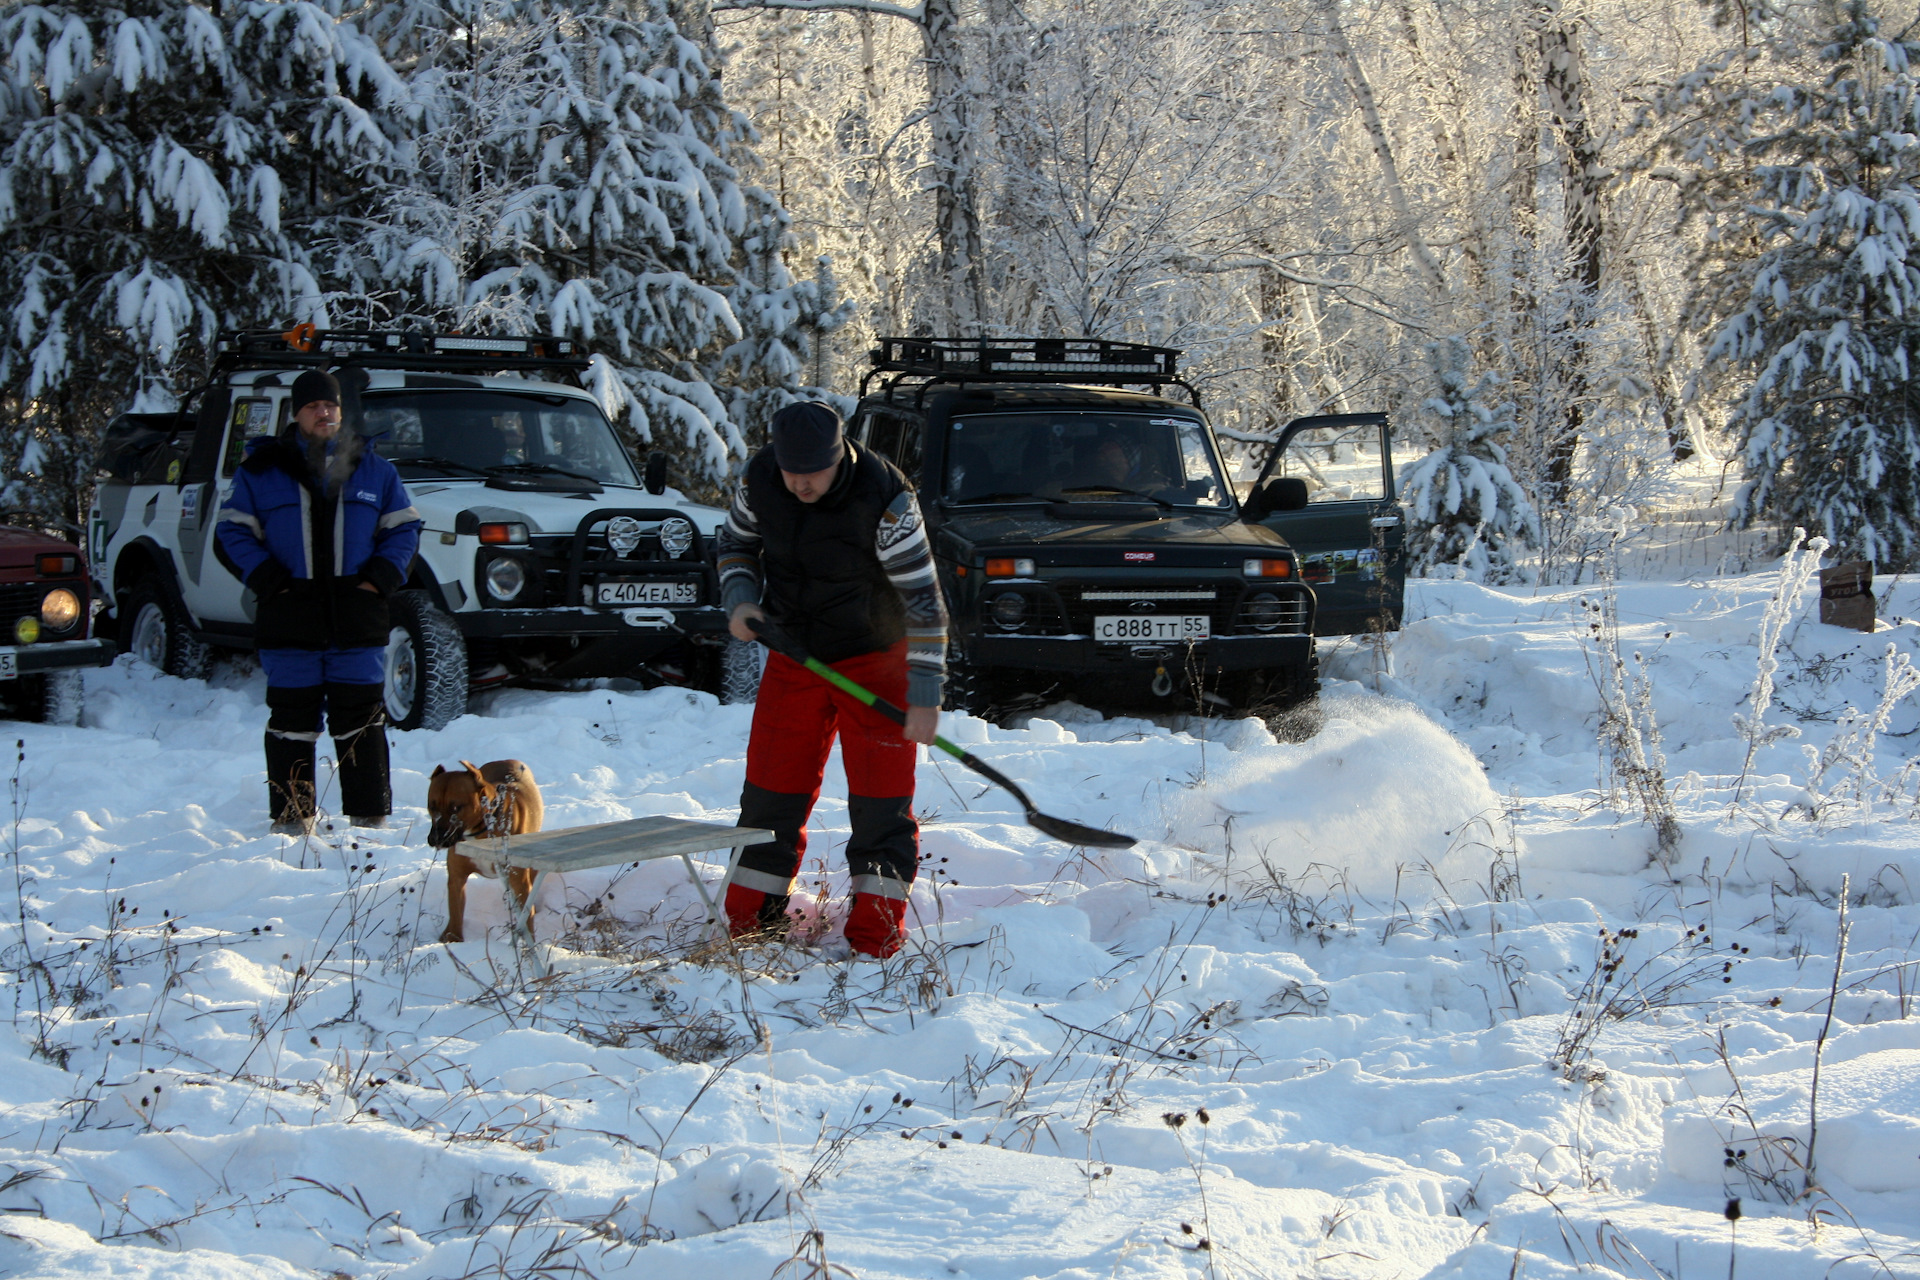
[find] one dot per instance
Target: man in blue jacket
(320, 529)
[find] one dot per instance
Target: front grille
(18, 599)
(1070, 608)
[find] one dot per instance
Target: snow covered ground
(1412, 998)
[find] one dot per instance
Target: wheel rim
(403, 675)
(150, 636)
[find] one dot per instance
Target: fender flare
(420, 578)
(162, 566)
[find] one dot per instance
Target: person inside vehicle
(320, 528)
(826, 540)
(513, 439)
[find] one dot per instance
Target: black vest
(822, 576)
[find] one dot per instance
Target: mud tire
(426, 666)
(158, 632)
(740, 666)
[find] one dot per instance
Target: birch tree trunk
(1408, 227)
(956, 201)
(1583, 182)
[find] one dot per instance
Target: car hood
(1100, 541)
(18, 547)
(440, 501)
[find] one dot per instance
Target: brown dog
(488, 802)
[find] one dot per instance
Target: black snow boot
(356, 715)
(290, 783)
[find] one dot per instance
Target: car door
(212, 592)
(1350, 532)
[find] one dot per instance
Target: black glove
(269, 579)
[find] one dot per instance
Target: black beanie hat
(313, 385)
(806, 438)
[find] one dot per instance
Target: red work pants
(795, 720)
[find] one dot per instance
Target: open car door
(1327, 488)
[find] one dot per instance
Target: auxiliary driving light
(27, 630)
(59, 609)
(506, 577)
(676, 535)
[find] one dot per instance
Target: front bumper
(637, 622)
(1086, 655)
(60, 655)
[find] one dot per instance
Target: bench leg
(716, 922)
(717, 915)
(520, 914)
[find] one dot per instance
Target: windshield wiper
(1017, 495)
(1114, 488)
(542, 468)
(442, 464)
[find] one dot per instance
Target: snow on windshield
(1055, 455)
(477, 430)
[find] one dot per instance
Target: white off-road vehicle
(546, 556)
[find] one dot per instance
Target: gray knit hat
(807, 438)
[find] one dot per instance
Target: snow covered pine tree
(573, 166)
(1467, 515)
(143, 172)
(1800, 160)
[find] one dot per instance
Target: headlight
(59, 609)
(1262, 611)
(1009, 608)
(505, 578)
(676, 535)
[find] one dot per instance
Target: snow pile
(1380, 796)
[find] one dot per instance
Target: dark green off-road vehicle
(1092, 542)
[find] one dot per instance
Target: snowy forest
(1564, 244)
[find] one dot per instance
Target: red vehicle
(45, 618)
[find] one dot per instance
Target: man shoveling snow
(826, 540)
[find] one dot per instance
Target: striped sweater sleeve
(907, 558)
(737, 550)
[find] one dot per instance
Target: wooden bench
(607, 844)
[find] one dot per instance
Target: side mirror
(656, 473)
(1258, 505)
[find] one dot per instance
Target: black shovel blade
(1077, 833)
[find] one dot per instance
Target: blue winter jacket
(305, 554)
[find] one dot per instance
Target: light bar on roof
(483, 346)
(1011, 366)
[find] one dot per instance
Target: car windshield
(1076, 455)
(482, 433)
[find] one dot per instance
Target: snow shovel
(1059, 828)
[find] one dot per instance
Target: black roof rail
(1066, 361)
(395, 349)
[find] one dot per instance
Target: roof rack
(1044, 360)
(305, 344)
